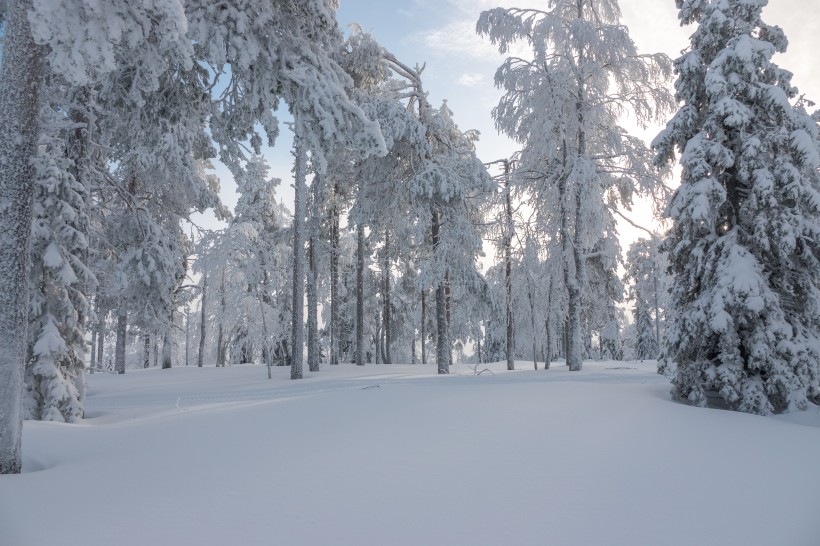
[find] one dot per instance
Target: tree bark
(413, 349)
(442, 341)
(447, 304)
(187, 334)
(312, 282)
(532, 324)
(168, 344)
(508, 233)
(423, 328)
(442, 347)
(548, 330)
(21, 82)
(220, 338)
(334, 277)
(656, 298)
(203, 321)
(101, 339)
(379, 339)
(93, 360)
(574, 334)
(119, 351)
(386, 277)
(298, 315)
(146, 351)
(360, 295)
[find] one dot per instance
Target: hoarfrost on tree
(743, 246)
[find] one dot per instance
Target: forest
(401, 245)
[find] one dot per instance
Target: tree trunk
(574, 327)
(442, 341)
(146, 351)
(508, 234)
(93, 361)
(447, 305)
(298, 316)
(119, 351)
(313, 355)
(442, 348)
(21, 81)
(334, 277)
(220, 348)
(574, 350)
(386, 276)
(168, 344)
(423, 328)
(200, 357)
(532, 324)
(379, 339)
(656, 302)
(548, 329)
(360, 295)
(187, 334)
(220, 338)
(548, 344)
(312, 282)
(101, 339)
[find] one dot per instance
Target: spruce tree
(646, 289)
(744, 245)
(59, 282)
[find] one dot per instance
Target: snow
(394, 454)
(805, 146)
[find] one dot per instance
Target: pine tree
(424, 192)
(744, 247)
(247, 265)
(21, 81)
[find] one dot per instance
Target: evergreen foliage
(744, 245)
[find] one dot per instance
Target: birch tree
(563, 105)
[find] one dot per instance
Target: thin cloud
(458, 37)
(472, 80)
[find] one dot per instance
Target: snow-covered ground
(394, 455)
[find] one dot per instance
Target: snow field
(396, 455)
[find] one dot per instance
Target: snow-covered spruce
(745, 243)
(59, 282)
(647, 288)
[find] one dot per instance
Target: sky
(459, 65)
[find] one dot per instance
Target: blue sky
(460, 65)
